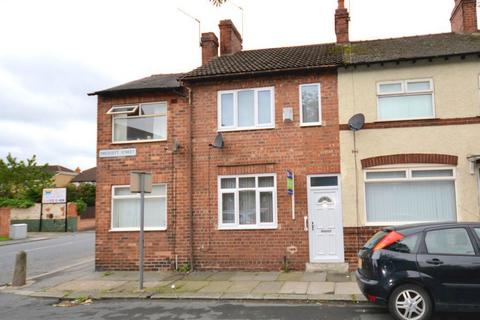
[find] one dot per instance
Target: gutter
(258, 73)
(413, 60)
(190, 160)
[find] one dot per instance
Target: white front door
(325, 219)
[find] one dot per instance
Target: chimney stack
(209, 44)
(341, 22)
(464, 16)
(230, 38)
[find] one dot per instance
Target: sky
(54, 52)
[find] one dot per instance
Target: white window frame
(408, 177)
(259, 225)
(235, 126)
(309, 124)
(137, 196)
(404, 92)
(139, 107)
(114, 109)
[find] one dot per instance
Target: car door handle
(435, 262)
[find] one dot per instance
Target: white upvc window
(139, 123)
(407, 195)
(126, 209)
(247, 202)
(310, 104)
(405, 100)
(246, 109)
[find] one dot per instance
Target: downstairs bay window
(126, 209)
(247, 202)
(410, 195)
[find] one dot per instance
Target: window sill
(136, 229)
(138, 141)
(399, 223)
(313, 124)
(404, 119)
(233, 228)
(244, 129)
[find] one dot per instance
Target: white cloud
(53, 52)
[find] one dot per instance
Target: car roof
(423, 226)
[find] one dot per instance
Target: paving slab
(221, 276)
(321, 288)
(242, 296)
(46, 294)
(290, 276)
(198, 276)
(258, 276)
(88, 285)
(313, 276)
(339, 277)
(268, 287)
(242, 286)
(132, 286)
(294, 287)
(124, 295)
(336, 297)
(200, 295)
(185, 286)
(347, 288)
(216, 286)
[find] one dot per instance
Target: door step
(340, 267)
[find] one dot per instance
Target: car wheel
(410, 302)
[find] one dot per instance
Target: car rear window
(374, 240)
(406, 245)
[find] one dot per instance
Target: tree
(23, 180)
(84, 192)
(218, 2)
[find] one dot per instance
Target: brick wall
(354, 239)
(119, 250)
(306, 150)
(4, 222)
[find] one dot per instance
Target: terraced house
(254, 164)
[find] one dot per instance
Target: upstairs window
(408, 99)
(310, 105)
(246, 109)
(136, 123)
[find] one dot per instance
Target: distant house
(86, 176)
(61, 175)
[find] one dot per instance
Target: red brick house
(219, 141)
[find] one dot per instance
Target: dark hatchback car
(416, 269)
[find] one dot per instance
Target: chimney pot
(464, 16)
(342, 19)
(230, 38)
(209, 44)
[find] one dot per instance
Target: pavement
(53, 252)
(80, 281)
(32, 237)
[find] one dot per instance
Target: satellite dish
(218, 142)
(356, 122)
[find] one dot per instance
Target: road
(21, 308)
(48, 255)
